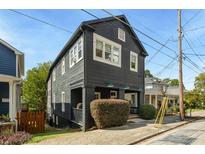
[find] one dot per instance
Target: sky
(41, 42)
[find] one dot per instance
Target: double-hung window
(106, 51)
(63, 66)
(99, 48)
(63, 101)
(133, 61)
(76, 52)
(80, 54)
(54, 74)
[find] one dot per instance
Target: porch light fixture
(126, 87)
(110, 84)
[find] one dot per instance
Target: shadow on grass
(51, 132)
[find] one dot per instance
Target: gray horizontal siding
(7, 61)
(73, 78)
(102, 73)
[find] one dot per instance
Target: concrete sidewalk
(134, 130)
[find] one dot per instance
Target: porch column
(14, 102)
(10, 100)
(88, 95)
(156, 100)
(150, 99)
(121, 94)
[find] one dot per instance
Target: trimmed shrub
(15, 139)
(147, 111)
(109, 112)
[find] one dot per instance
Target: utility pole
(181, 88)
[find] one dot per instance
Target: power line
(146, 35)
(191, 54)
(192, 18)
(42, 21)
(150, 30)
(91, 14)
(189, 44)
(159, 50)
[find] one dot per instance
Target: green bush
(109, 112)
(174, 109)
(147, 111)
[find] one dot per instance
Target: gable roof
(87, 24)
(17, 52)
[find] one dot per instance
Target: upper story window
(63, 101)
(63, 66)
(54, 74)
(49, 84)
(121, 34)
(76, 52)
(148, 87)
(133, 61)
(106, 50)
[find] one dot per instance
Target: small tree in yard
(192, 100)
(34, 87)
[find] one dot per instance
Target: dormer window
(121, 34)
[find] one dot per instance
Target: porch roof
(8, 78)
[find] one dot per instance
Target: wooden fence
(32, 122)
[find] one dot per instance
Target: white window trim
(122, 39)
(71, 52)
(99, 94)
(105, 41)
(113, 91)
(134, 54)
(63, 66)
(54, 74)
(63, 101)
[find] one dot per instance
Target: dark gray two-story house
(103, 59)
(11, 72)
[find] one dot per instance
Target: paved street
(191, 134)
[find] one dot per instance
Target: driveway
(134, 130)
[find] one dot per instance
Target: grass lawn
(51, 132)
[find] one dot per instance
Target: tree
(174, 82)
(171, 82)
(34, 87)
(148, 74)
(192, 100)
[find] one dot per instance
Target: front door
(132, 98)
(4, 98)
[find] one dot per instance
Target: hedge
(109, 112)
(147, 111)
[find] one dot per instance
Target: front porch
(81, 98)
(156, 100)
(9, 95)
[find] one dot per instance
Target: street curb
(162, 132)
